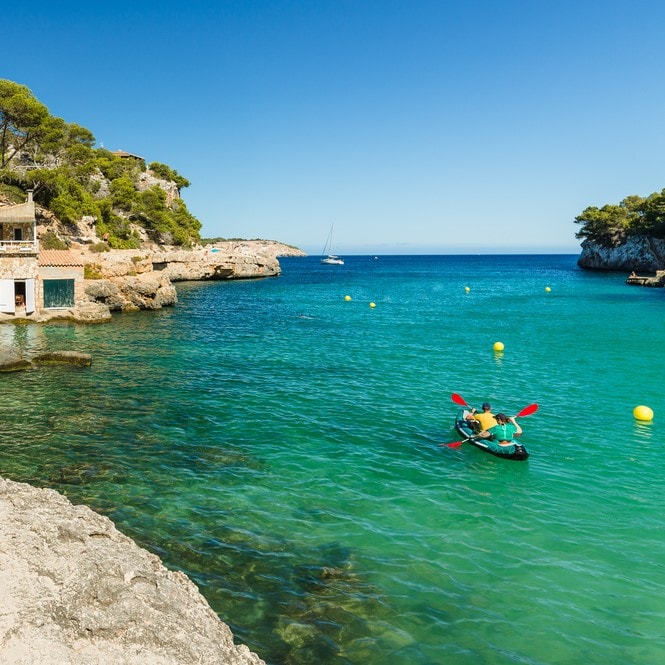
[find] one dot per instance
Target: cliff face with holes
(639, 253)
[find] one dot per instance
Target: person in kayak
(485, 418)
(504, 432)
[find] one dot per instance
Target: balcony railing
(18, 247)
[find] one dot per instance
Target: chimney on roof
(29, 196)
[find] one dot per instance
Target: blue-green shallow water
(281, 446)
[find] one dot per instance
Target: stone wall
(19, 267)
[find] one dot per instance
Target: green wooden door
(58, 293)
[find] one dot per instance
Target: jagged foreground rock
(75, 591)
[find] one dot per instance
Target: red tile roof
(59, 257)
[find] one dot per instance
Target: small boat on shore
(514, 451)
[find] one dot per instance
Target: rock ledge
(75, 591)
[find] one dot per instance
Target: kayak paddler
(504, 432)
(485, 418)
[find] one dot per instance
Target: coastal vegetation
(614, 224)
(118, 193)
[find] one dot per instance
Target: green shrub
(51, 241)
(123, 193)
(69, 200)
(131, 242)
(99, 247)
(167, 173)
(212, 241)
(92, 271)
(13, 193)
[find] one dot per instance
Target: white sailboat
(326, 257)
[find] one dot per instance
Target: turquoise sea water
(281, 446)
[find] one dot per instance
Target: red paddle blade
(527, 411)
(454, 444)
(458, 399)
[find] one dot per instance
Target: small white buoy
(467, 289)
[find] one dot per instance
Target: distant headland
(627, 236)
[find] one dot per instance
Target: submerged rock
(11, 360)
(73, 589)
(67, 357)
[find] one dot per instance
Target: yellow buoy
(372, 305)
(643, 413)
(498, 346)
(347, 298)
(467, 289)
(547, 288)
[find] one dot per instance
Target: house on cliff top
(123, 154)
(30, 279)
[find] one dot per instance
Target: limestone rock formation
(142, 279)
(229, 260)
(148, 179)
(12, 361)
(92, 312)
(75, 591)
(83, 312)
(637, 253)
(133, 292)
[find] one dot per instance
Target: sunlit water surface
(281, 445)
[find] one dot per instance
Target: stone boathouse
(30, 280)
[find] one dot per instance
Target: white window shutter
(29, 296)
(7, 301)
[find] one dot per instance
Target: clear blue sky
(412, 126)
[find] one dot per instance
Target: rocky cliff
(143, 279)
(637, 253)
(75, 591)
(243, 259)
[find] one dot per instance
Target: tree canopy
(613, 224)
(24, 120)
(74, 179)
